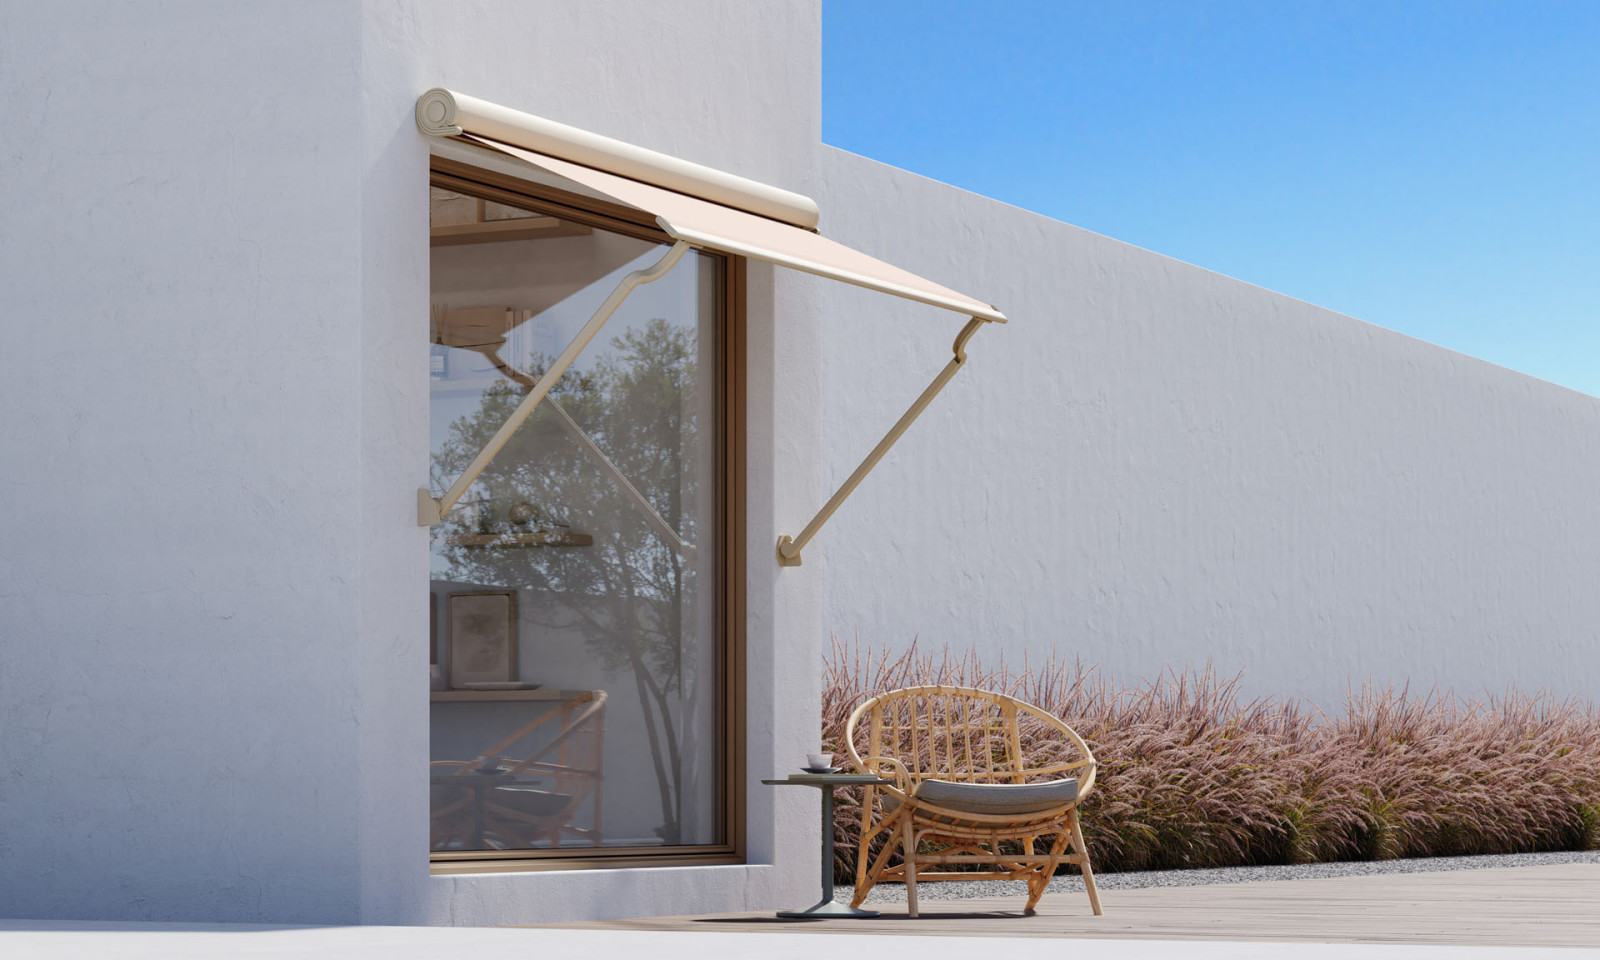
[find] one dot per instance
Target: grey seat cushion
(997, 798)
(528, 799)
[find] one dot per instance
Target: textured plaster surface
(180, 574)
(213, 602)
(1156, 466)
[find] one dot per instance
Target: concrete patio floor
(102, 941)
(1533, 913)
(1546, 906)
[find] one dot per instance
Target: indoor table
(480, 783)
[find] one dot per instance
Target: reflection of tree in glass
(627, 593)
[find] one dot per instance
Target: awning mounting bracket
(789, 547)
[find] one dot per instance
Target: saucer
(820, 769)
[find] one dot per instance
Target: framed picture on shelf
(481, 632)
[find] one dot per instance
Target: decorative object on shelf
(524, 526)
(541, 539)
(482, 634)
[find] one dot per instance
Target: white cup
(819, 760)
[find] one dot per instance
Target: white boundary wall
(1153, 465)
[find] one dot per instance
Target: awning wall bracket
(789, 547)
(431, 510)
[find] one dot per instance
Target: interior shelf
(520, 540)
(458, 696)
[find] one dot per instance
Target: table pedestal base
(828, 910)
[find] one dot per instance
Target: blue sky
(1433, 168)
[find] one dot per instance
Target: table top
(473, 779)
(831, 779)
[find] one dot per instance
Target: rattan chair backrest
(964, 734)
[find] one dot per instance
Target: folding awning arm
(657, 522)
(431, 510)
(789, 548)
(586, 443)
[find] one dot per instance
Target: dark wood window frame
(464, 178)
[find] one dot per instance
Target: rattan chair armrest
(888, 768)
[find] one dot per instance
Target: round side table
(826, 908)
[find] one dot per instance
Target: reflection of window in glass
(577, 581)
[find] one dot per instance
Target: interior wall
(1155, 466)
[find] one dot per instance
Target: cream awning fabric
(715, 226)
(698, 207)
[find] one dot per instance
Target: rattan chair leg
(875, 873)
(1082, 851)
(909, 838)
(1033, 874)
(863, 856)
(1046, 872)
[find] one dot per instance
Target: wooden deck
(1547, 906)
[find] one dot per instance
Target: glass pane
(575, 586)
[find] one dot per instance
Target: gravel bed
(973, 889)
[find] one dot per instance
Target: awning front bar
(789, 547)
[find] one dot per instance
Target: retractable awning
(697, 207)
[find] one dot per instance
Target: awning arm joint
(431, 510)
(789, 547)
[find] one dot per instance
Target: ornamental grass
(1193, 775)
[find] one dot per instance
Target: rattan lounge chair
(565, 774)
(965, 792)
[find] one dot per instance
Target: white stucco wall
(180, 575)
(1153, 465)
(212, 589)
(213, 608)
